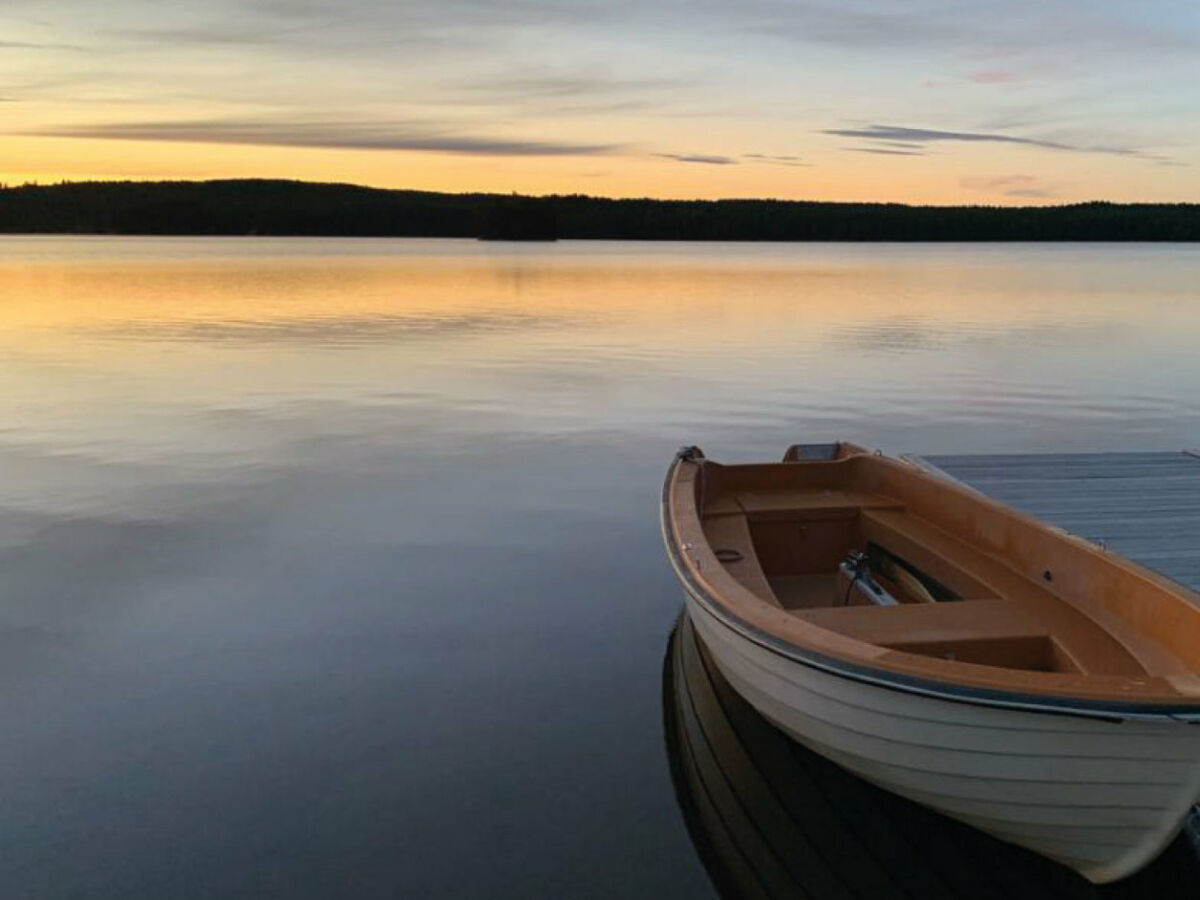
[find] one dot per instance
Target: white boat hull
(1100, 796)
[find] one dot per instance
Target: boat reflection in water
(772, 819)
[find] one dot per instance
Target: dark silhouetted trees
(248, 207)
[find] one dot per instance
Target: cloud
(1025, 28)
(564, 84)
(37, 45)
(715, 160)
(1008, 185)
(581, 90)
(994, 76)
(768, 159)
(1016, 26)
(231, 33)
(337, 134)
(699, 158)
(883, 151)
(922, 136)
(996, 181)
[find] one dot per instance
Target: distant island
(268, 207)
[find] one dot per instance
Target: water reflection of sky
(334, 564)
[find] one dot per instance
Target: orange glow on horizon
(938, 179)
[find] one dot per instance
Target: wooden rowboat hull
(771, 819)
(1102, 797)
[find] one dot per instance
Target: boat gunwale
(1182, 711)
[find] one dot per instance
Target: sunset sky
(1020, 101)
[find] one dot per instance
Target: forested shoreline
(269, 207)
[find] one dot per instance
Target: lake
(332, 567)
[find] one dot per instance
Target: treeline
(250, 207)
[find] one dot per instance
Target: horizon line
(616, 199)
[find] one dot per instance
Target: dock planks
(1145, 506)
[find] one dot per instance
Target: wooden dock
(1145, 506)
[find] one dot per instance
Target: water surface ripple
(332, 567)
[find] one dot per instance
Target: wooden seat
(814, 503)
(887, 625)
(733, 533)
(986, 632)
(1090, 648)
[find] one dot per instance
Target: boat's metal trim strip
(1089, 709)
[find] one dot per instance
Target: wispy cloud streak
(1009, 185)
(770, 160)
(38, 45)
(703, 159)
(994, 76)
(348, 135)
(923, 136)
(883, 151)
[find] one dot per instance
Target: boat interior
(880, 551)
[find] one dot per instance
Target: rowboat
(947, 648)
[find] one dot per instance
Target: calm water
(333, 566)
